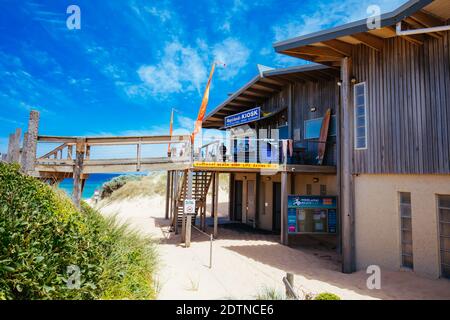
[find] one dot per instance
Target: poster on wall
(312, 214)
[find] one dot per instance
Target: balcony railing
(271, 151)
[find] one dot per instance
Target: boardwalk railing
(111, 154)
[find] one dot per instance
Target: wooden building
(293, 102)
(395, 135)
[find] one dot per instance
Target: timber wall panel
(408, 111)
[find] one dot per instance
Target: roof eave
(387, 19)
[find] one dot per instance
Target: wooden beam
(346, 187)
(266, 84)
(252, 91)
(319, 51)
(414, 24)
(426, 19)
(414, 39)
(340, 46)
(369, 40)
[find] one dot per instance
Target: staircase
(201, 180)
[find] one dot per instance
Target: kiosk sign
(189, 206)
(243, 117)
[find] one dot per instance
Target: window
(360, 116)
(444, 234)
(312, 128)
(406, 230)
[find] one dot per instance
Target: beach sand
(246, 264)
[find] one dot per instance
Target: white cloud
(161, 13)
(185, 122)
(183, 69)
(180, 69)
(234, 54)
(328, 14)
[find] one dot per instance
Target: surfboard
(323, 137)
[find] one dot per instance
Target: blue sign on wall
(311, 202)
(243, 117)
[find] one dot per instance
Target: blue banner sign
(243, 117)
(311, 202)
(312, 214)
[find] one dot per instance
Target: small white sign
(189, 206)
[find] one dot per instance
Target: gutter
(401, 32)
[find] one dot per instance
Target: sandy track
(246, 263)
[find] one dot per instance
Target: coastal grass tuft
(42, 233)
(150, 185)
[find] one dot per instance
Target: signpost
(189, 206)
(243, 117)
(189, 210)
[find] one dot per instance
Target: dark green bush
(327, 296)
(42, 233)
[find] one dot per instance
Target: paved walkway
(247, 264)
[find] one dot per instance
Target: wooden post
(216, 204)
(258, 198)
(14, 146)
(69, 152)
(284, 209)
(188, 231)
(174, 201)
(231, 213)
(78, 171)
(346, 187)
(290, 280)
(190, 174)
(138, 157)
(23, 153)
(290, 112)
(10, 147)
(213, 192)
(167, 194)
(31, 142)
(88, 152)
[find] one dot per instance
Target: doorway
(251, 206)
(238, 200)
(276, 215)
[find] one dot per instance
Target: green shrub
(42, 233)
(327, 296)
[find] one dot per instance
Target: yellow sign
(237, 165)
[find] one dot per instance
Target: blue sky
(132, 61)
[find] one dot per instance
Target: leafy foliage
(327, 296)
(42, 233)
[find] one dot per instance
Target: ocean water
(94, 182)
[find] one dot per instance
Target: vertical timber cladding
(321, 94)
(408, 106)
(306, 94)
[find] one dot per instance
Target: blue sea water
(94, 182)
